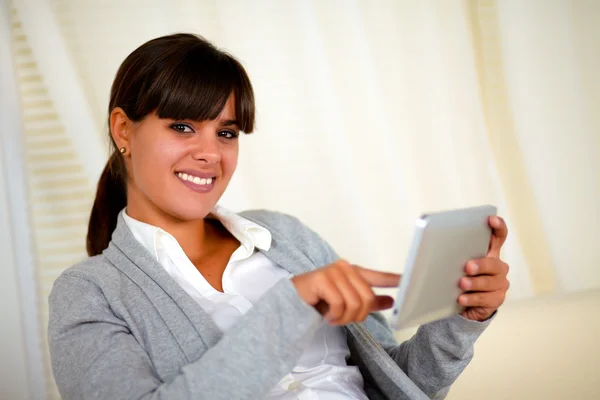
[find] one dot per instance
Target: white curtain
(369, 114)
(552, 59)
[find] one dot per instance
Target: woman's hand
(485, 284)
(343, 292)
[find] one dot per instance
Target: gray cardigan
(121, 328)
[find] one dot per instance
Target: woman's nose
(207, 150)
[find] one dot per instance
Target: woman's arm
(436, 355)
(95, 356)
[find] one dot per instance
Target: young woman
(182, 299)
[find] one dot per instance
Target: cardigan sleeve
(95, 356)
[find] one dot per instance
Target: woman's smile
(202, 182)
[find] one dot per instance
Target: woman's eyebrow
(229, 122)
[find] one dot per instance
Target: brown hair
(180, 76)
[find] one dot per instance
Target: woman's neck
(196, 237)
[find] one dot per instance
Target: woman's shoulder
(295, 231)
(271, 218)
(82, 288)
(96, 270)
(286, 225)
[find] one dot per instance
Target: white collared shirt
(322, 372)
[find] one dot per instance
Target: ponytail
(111, 198)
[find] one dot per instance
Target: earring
(122, 150)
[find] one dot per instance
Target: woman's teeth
(195, 179)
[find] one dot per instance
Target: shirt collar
(248, 233)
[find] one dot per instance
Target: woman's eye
(182, 128)
(228, 134)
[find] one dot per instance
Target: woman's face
(179, 169)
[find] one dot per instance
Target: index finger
(377, 278)
(499, 234)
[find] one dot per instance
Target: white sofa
(542, 348)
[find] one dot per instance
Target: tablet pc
(443, 243)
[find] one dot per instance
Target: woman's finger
(486, 266)
(365, 292)
(382, 303)
(484, 283)
(377, 278)
(482, 299)
(330, 294)
(350, 296)
(499, 234)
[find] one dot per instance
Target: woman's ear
(120, 127)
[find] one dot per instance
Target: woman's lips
(197, 183)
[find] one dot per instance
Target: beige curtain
(370, 113)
